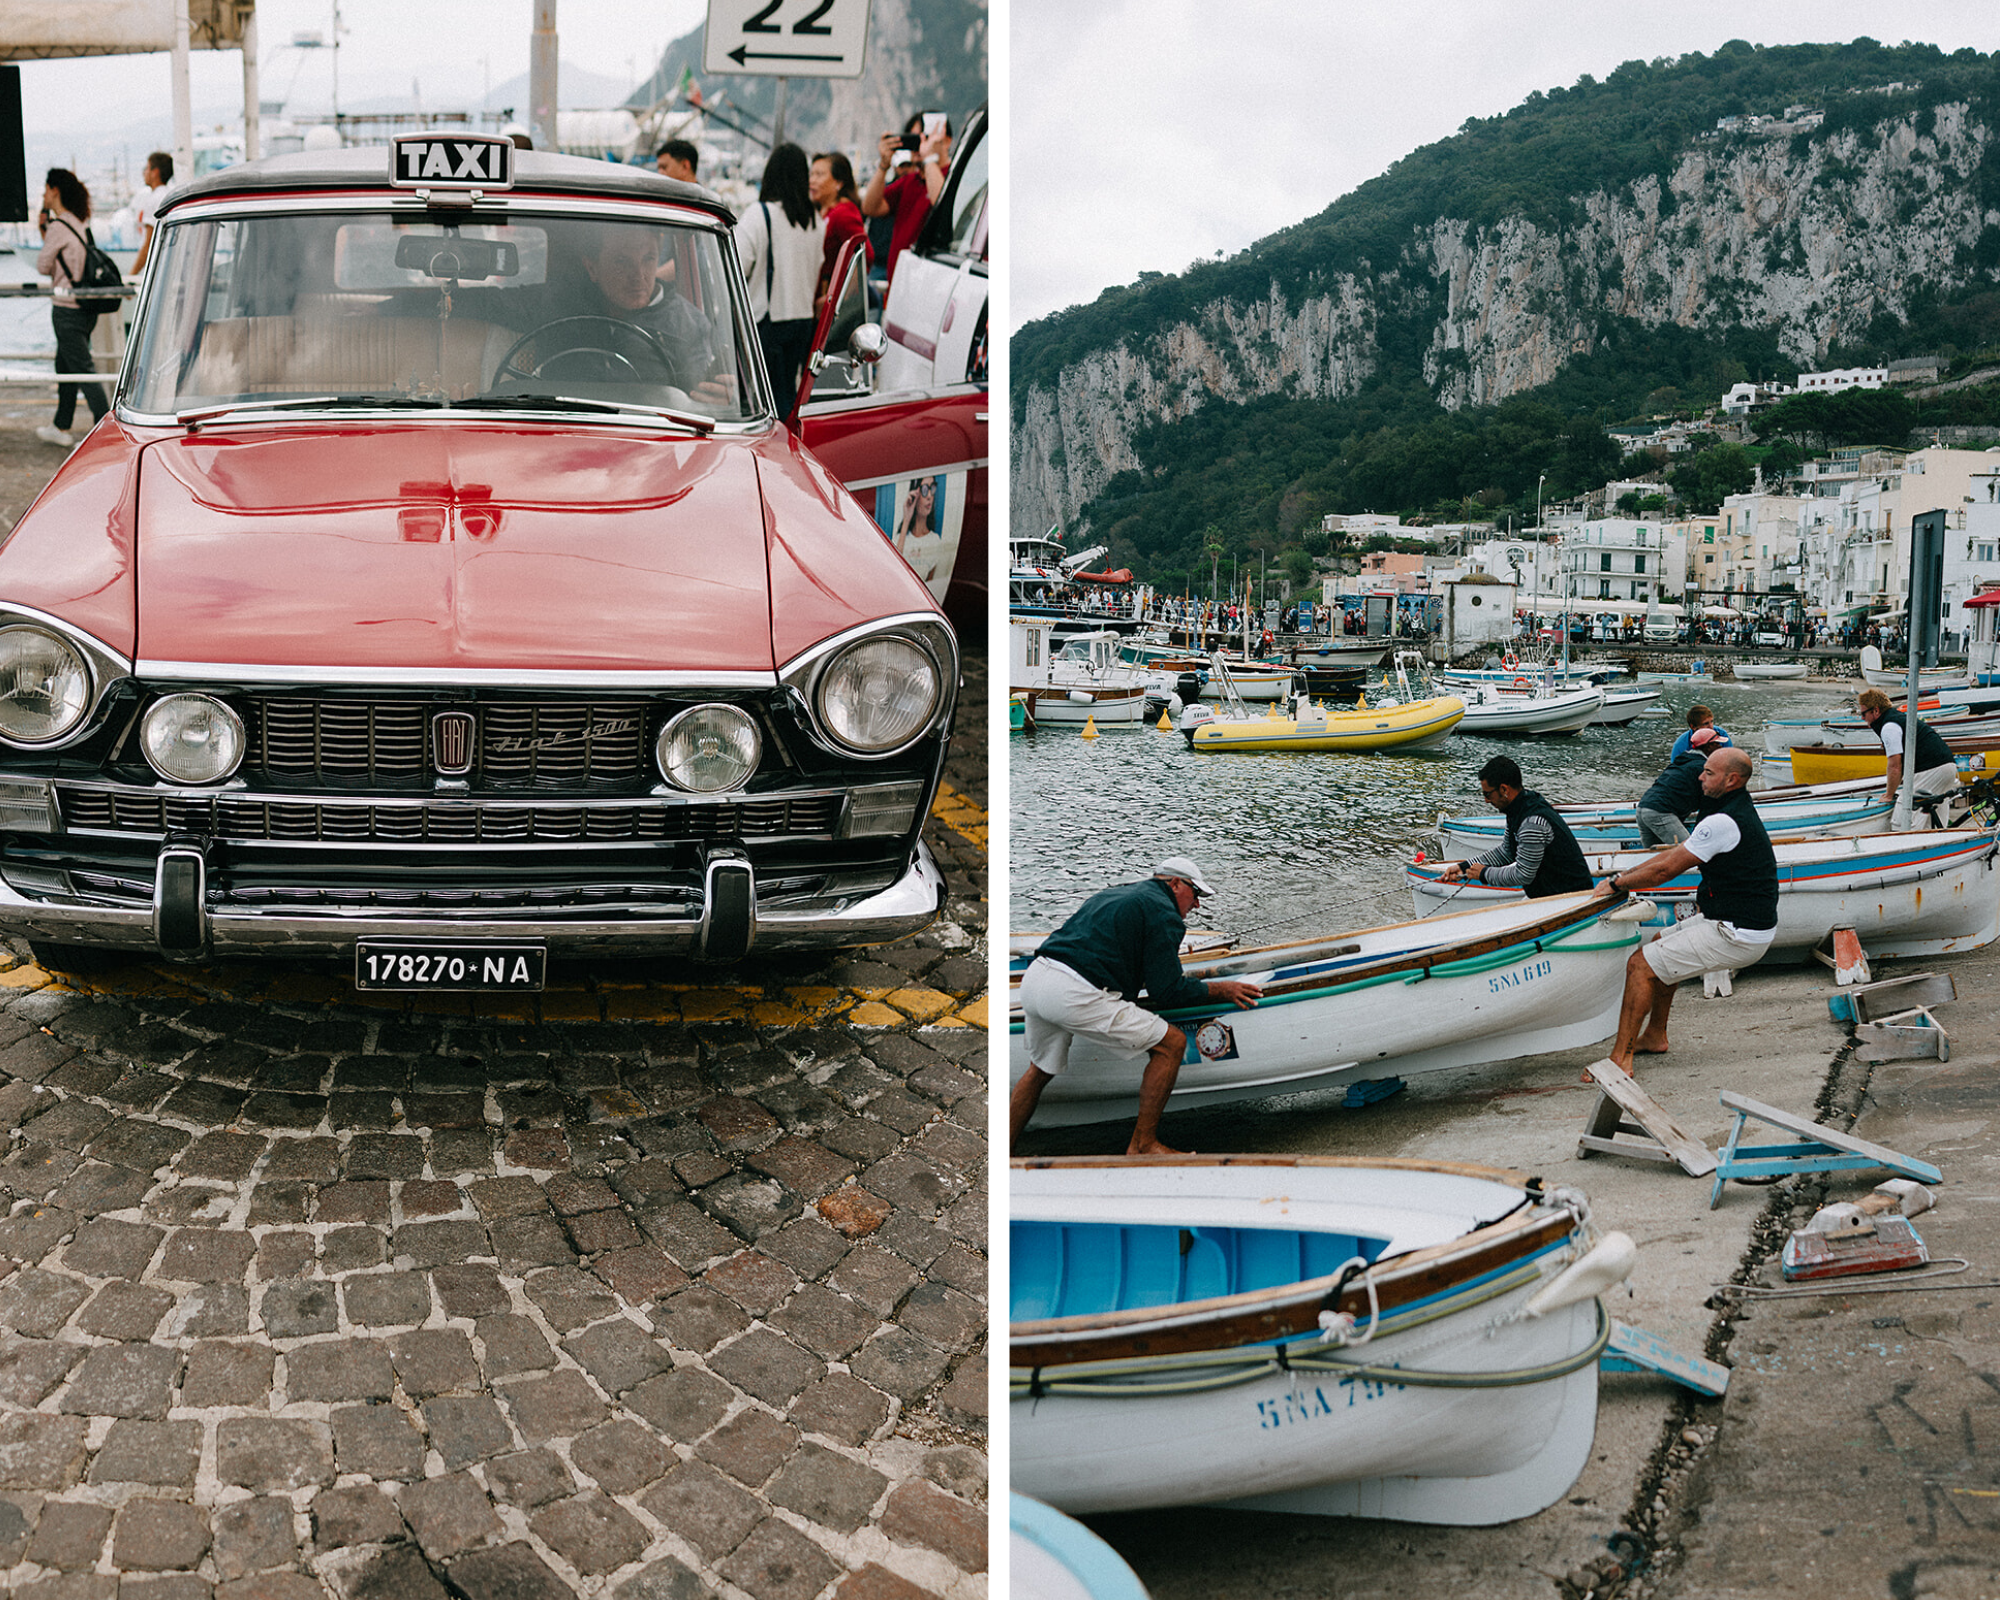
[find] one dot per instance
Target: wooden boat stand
(1623, 1108)
(1818, 1149)
(1892, 1019)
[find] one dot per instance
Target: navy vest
(1563, 868)
(1740, 885)
(1677, 791)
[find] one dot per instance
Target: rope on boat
(1132, 1380)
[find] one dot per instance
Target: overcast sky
(1150, 133)
(452, 49)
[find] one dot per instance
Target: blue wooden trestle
(1816, 1149)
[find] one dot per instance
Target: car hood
(481, 548)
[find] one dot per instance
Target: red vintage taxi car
(442, 592)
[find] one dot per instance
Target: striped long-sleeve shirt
(1517, 869)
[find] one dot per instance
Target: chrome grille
(291, 820)
(380, 741)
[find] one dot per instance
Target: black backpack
(99, 272)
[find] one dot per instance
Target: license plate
(410, 964)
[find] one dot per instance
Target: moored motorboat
(1905, 894)
(1418, 725)
(1497, 713)
(1623, 706)
(1498, 983)
(1614, 825)
(1403, 1339)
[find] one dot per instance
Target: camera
(910, 141)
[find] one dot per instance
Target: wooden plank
(1872, 1001)
(1635, 1350)
(1907, 1166)
(1622, 1090)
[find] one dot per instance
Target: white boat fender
(1633, 911)
(1607, 1265)
(1081, 697)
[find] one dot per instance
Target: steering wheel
(610, 361)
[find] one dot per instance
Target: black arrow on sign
(743, 53)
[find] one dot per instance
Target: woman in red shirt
(832, 190)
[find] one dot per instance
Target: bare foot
(1155, 1148)
(1649, 1046)
(1624, 1066)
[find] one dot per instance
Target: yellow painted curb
(974, 1014)
(26, 976)
(642, 1005)
(713, 1005)
(873, 1014)
(922, 1004)
(570, 1005)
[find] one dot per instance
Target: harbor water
(1304, 842)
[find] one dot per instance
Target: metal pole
(252, 131)
(183, 103)
(542, 77)
(778, 116)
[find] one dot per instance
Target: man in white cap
(1087, 976)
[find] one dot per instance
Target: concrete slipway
(1858, 1450)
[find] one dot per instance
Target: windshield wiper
(570, 402)
(314, 402)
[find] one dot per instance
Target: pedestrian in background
(839, 203)
(159, 175)
(910, 196)
(778, 240)
(678, 159)
(65, 227)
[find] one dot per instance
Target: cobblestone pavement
(649, 1289)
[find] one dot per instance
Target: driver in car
(623, 264)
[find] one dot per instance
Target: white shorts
(1059, 1004)
(1938, 780)
(1690, 948)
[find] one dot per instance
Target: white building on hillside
(1618, 558)
(1843, 378)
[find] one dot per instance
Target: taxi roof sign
(451, 161)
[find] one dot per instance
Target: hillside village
(1826, 549)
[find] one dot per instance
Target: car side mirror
(866, 344)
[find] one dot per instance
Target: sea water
(1306, 842)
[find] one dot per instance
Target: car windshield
(407, 310)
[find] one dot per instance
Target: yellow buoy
(1361, 702)
(1164, 725)
(1090, 727)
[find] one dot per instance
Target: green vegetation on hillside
(1538, 162)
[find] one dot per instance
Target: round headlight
(878, 695)
(709, 750)
(191, 738)
(44, 686)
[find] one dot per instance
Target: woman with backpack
(66, 245)
(778, 240)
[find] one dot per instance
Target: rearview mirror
(451, 256)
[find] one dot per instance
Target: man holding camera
(909, 197)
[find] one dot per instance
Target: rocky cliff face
(1812, 242)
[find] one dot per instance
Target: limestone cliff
(1811, 237)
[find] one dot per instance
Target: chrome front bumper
(186, 923)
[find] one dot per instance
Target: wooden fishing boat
(1755, 671)
(1851, 733)
(1054, 1557)
(1905, 894)
(1977, 758)
(1897, 679)
(1614, 825)
(1497, 983)
(1413, 1340)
